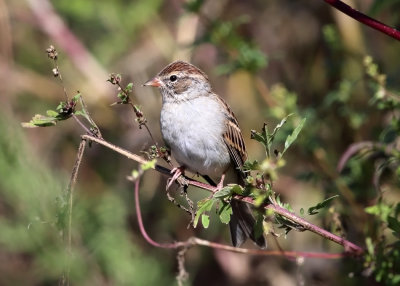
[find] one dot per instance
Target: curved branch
(201, 242)
(366, 20)
(350, 248)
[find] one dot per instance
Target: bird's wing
(233, 137)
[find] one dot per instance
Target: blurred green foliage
(34, 203)
(240, 52)
(108, 27)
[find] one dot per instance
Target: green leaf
(394, 225)
(380, 210)
(314, 210)
(224, 192)
(80, 112)
(260, 137)
(76, 97)
(149, 165)
(205, 220)
(292, 137)
(135, 174)
(52, 113)
(60, 106)
(370, 246)
(237, 189)
(40, 121)
(129, 87)
(277, 128)
(251, 165)
(259, 196)
(225, 213)
(203, 206)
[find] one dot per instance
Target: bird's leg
(220, 184)
(176, 173)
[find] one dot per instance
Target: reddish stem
(197, 241)
(141, 226)
(349, 247)
(392, 32)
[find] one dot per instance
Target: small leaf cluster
(124, 92)
(124, 95)
(383, 98)
(259, 183)
(266, 172)
(283, 222)
(316, 209)
(63, 111)
(221, 199)
(273, 158)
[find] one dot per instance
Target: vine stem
(350, 248)
(366, 20)
(202, 242)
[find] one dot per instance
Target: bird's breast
(194, 131)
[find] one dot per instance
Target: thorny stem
(350, 248)
(392, 32)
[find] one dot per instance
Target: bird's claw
(177, 172)
(220, 185)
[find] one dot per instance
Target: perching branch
(349, 247)
(366, 20)
(198, 241)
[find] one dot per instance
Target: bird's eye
(173, 78)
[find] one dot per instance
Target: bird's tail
(242, 225)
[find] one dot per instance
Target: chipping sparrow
(203, 135)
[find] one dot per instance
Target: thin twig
(183, 275)
(82, 125)
(141, 225)
(371, 22)
(70, 192)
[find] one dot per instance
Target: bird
(204, 137)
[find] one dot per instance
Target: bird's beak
(156, 82)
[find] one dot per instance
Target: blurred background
(267, 59)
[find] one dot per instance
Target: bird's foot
(219, 186)
(177, 172)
